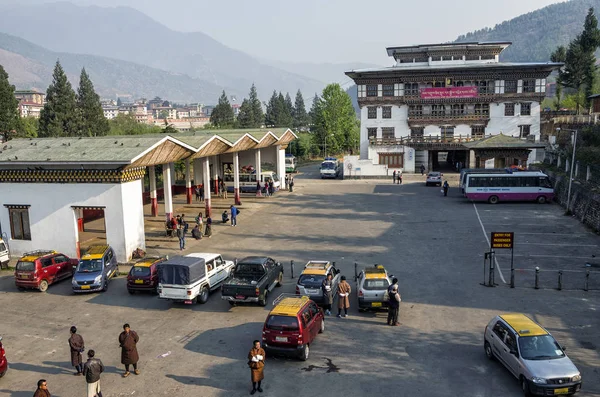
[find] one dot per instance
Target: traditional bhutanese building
(436, 98)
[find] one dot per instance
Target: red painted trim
(78, 249)
(189, 195)
(207, 208)
(80, 224)
(154, 206)
(216, 187)
(236, 196)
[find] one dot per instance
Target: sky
(326, 31)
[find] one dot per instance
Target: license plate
(139, 281)
(281, 339)
(85, 287)
(240, 297)
(187, 302)
(24, 276)
(561, 391)
(312, 291)
(376, 304)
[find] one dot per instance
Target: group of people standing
(93, 367)
(343, 293)
(397, 177)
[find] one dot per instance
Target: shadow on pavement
(232, 342)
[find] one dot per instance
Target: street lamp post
(571, 166)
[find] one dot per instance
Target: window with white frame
(388, 133)
(525, 108)
(388, 90)
(371, 112)
(372, 90)
(371, 133)
(361, 90)
(509, 109)
(386, 112)
(411, 89)
(529, 85)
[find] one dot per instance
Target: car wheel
(322, 326)
(43, 286)
(130, 291)
(203, 297)
(525, 387)
(3, 373)
(280, 280)
(493, 200)
(305, 353)
(541, 200)
(263, 301)
(105, 287)
(488, 350)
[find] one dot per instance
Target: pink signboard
(448, 92)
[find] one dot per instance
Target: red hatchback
(39, 269)
(143, 276)
(3, 360)
(292, 326)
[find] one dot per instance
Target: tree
(300, 117)
(245, 118)
(335, 120)
(315, 113)
(59, 117)
(257, 110)
(285, 107)
(559, 55)
(126, 124)
(272, 114)
(28, 128)
(9, 105)
(93, 122)
(222, 115)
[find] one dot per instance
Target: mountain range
(127, 52)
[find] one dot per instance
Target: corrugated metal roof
(502, 141)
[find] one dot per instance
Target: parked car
(292, 326)
(41, 268)
(4, 254)
(191, 278)
(532, 355)
(143, 276)
(3, 360)
(434, 178)
(253, 279)
(311, 280)
(371, 285)
(95, 269)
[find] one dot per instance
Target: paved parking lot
(434, 245)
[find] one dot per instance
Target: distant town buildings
(31, 102)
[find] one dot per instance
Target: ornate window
(388, 133)
(437, 110)
(392, 160)
(19, 222)
(510, 86)
(478, 131)
(415, 110)
(371, 112)
(372, 90)
(411, 89)
(482, 109)
(509, 109)
(524, 130)
(458, 109)
(485, 86)
(371, 133)
(447, 131)
(386, 112)
(526, 109)
(388, 90)
(417, 132)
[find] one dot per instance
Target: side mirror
(564, 348)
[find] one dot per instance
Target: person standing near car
(327, 288)
(256, 362)
(394, 306)
(92, 370)
(77, 346)
(394, 178)
(343, 297)
(422, 169)
(445, 188)
(128, 340)
(291, 184)
(42, 389)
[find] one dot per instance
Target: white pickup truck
(4, 254)
(191, 278)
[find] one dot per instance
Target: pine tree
(284, 114)
(256, 106)
(300, 116)
(335, 120)
(272, 114)
(315, 111)
(59, 117)
(222, 115)
(246, 116)
(559, 55)
(9, 106)
(93, 122)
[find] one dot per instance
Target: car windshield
(140, 271)
(282, 323)
(25, 266)
(542, 347)
(376, 284)
(327, 166)
(311, 280)
(434, 175)
(88, 266)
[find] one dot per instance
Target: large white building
(438, 97)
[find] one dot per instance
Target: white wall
(399, 121)
(509, 125)
(52, 220)
(281, 164)
(409, 156)
(364, 168)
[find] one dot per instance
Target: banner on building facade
(449, 92)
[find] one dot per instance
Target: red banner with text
(448, 92)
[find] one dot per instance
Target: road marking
(560, 245)
(549, 256)
(488, 241)
(521, 224)
(559, 234)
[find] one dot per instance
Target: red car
(3, 360)
(143, 276)
(39, 269)
(292, 326)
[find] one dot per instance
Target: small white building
(438, 97)
(110, 111)
(48, 184)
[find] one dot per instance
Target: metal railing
(427, 139)
(537, 278)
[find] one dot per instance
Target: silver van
(310, 282)
(532, 355)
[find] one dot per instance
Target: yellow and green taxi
(143, 276)
(95, 269)
(310, 282)
(371, 285)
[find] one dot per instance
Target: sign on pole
(505, 240)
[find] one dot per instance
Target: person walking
(208, 231)
(128, 340)
(422, 169)
(256, 362)
(393, 306)
(42, 389)
(258, 189)
(343, 297)
(394, 177)
(445, 187)
(234, 214)
(286, 181)
(327, 288)
(399, 177)
(181, 236)
(92, 370)
(267, 191)
(202, 193)
(77, 346)
(197, 192)
(291, 184)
